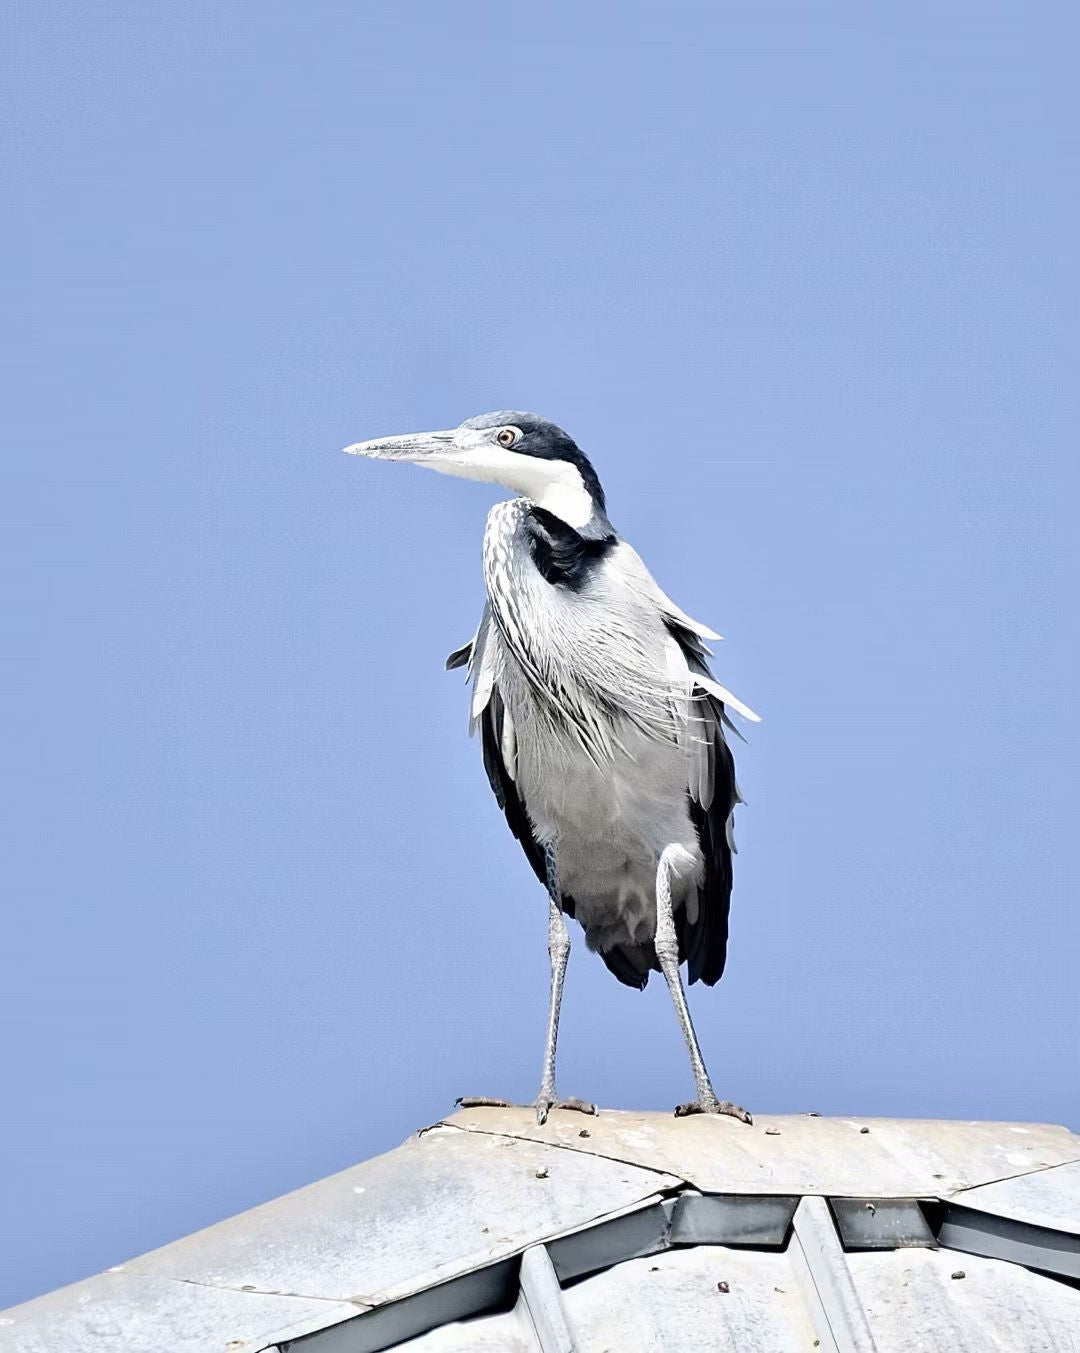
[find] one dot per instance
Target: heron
(603, 731)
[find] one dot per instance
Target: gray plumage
(603, 732)
(599, 741)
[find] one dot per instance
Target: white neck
(566, 498)
(554, 485)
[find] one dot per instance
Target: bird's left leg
(667, 953)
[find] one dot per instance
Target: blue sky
(801, 280)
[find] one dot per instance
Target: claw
(544, 1105)
(578, 1106)
(718, 1106)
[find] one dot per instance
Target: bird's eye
(507, 437)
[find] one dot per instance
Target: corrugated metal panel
(131, 1313)
(542, 1295)
(915, 1305)
(820, 1262)
(483, 1290)
(537, 1324)
(831, 1156)
(601, 1251)
(510, 1333)
(675, 1301)
(1049, 1198)
(881, 1223)
(440, 1205)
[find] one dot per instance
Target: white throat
(554, 485)
(565, 497)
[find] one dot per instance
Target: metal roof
(621, 1232)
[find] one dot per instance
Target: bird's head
(517, 450)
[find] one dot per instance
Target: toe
(717, 1106)
(578, 1106)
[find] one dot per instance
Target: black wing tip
(630, 963)
(619, 966)
(709, 976)
(704, 943)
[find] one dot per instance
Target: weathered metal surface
(914, 1304)
(675, 1301)
(434, 1208)
(128, 1312)
(387, 1326)
(425, 1244)
(881, 1223)
(509, 1333)
(1041, 1247)
(865, 1157)
(642, 1230)
(542, 1295)
(832, 1303)
(732, 1219)
(1049, 1198)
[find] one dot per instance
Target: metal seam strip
(995, 1237)
(827, 1282)
(543, 1299)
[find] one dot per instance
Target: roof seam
(575, 1150)
(248, 1290)
(1021, 1174)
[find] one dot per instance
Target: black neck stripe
(562, 555)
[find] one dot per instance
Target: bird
(603, 732)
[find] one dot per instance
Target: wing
(498, 742)
(712, 794)
(494, 728)
(690, 632)
(462, 656)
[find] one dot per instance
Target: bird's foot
(543, 1105)
(711, 1104)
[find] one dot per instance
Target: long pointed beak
(411, 446)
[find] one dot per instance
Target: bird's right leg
(558, 953)
(667, 953)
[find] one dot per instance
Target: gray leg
(558, 952)
(667, 953)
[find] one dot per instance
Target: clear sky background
(801, 280)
